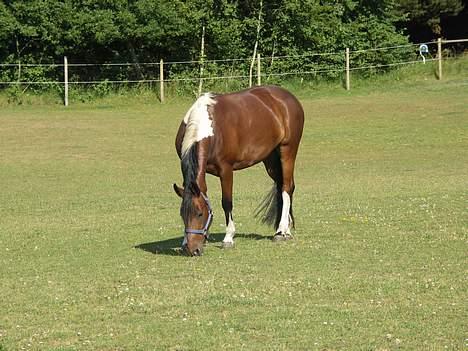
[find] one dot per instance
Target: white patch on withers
(198, 124)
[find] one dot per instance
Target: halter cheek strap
(203, 231)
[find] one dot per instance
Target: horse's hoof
(228, 245)
(281, 237)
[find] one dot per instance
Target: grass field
(89, 231)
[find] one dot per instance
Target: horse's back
(250, 124)
(268, 112)
(291, 112)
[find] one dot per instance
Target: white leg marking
(288, 232)
(283, 226)
(230, 231)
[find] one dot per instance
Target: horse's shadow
(171, 247)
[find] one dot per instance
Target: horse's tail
(269, 210)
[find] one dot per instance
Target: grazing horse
(224, 133)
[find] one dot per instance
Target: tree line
(136, 31)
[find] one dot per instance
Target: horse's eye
(199, 214)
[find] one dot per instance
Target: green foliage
(115, 31)
(429, 13)
(318, 85)
(14, 94)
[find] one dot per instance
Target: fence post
(19, 71)
(161, 80)
(439, 56)
(65, 78)
(202, 61)
(347, 69)
(259, 78)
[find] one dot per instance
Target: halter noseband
(203, 231)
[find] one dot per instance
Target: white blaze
(198, 124)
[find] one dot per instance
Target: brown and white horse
(224, 133)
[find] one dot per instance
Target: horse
(222, 133)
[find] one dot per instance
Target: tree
(135, 31)
(428, 15)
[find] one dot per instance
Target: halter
(203, 231)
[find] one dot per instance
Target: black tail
(269, 210)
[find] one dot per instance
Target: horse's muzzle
(195, 252)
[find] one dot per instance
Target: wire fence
(268, 69)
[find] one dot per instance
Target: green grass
(378, 263)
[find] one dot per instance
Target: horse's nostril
(197, 252)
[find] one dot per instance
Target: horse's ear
(194, 189)
(178, 190)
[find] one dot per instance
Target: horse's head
(197, 215)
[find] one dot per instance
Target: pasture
(90, 231)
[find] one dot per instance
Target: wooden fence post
(65, 78)
(259, 78)
(347, 69)
(252, 63)
(161, 80)
(439, 56)
(202, 61)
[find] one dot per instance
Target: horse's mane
(198, 121)
(198, 125)
(190, 167)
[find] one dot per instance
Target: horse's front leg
(226, 188)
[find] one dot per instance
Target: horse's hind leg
(288, 156)
(273, 167)
(280, 167)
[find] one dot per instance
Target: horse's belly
(252, 153)
(239, 156)
(244, 164)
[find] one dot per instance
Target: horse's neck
(203, 152)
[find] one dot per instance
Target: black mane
(190, 167)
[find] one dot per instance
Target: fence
(267, 68)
